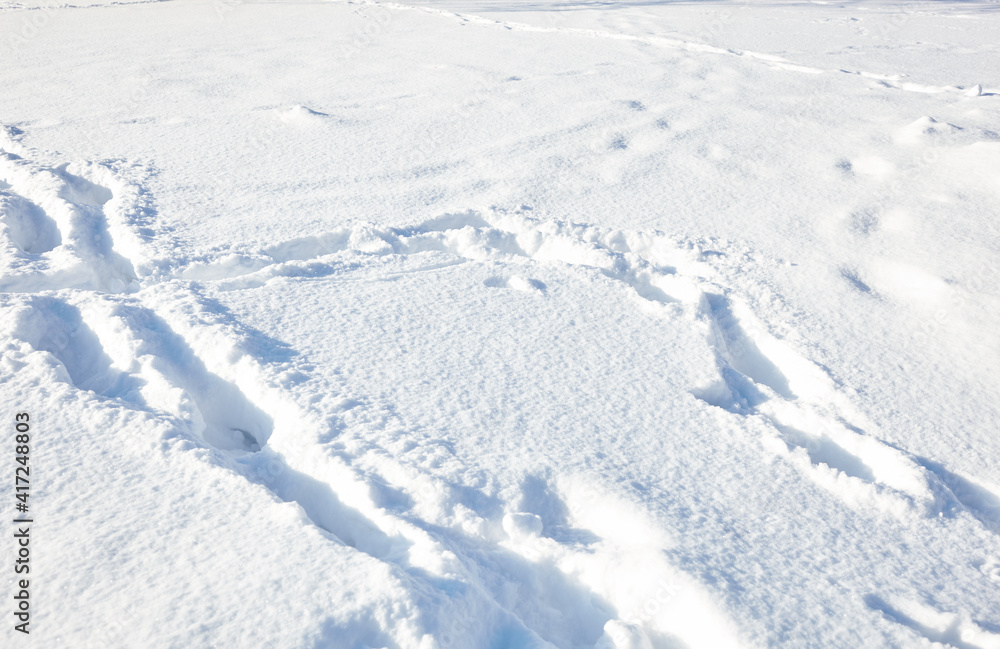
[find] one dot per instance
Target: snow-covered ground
(501, 323)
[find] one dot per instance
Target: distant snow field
(489, 323)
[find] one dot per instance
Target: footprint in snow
(517, 283)
(302, 116)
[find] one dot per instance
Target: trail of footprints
(814, 425)
(888, 81)
(55, 232)
(173, 353)
(939, 627)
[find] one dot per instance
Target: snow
(483, 323)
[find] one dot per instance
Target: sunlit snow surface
(504, 324)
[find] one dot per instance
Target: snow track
(360, 328)
(56, 233)
(164, 350)
(814, 425)
(770, 60)
(543, 568)
(938, 627)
